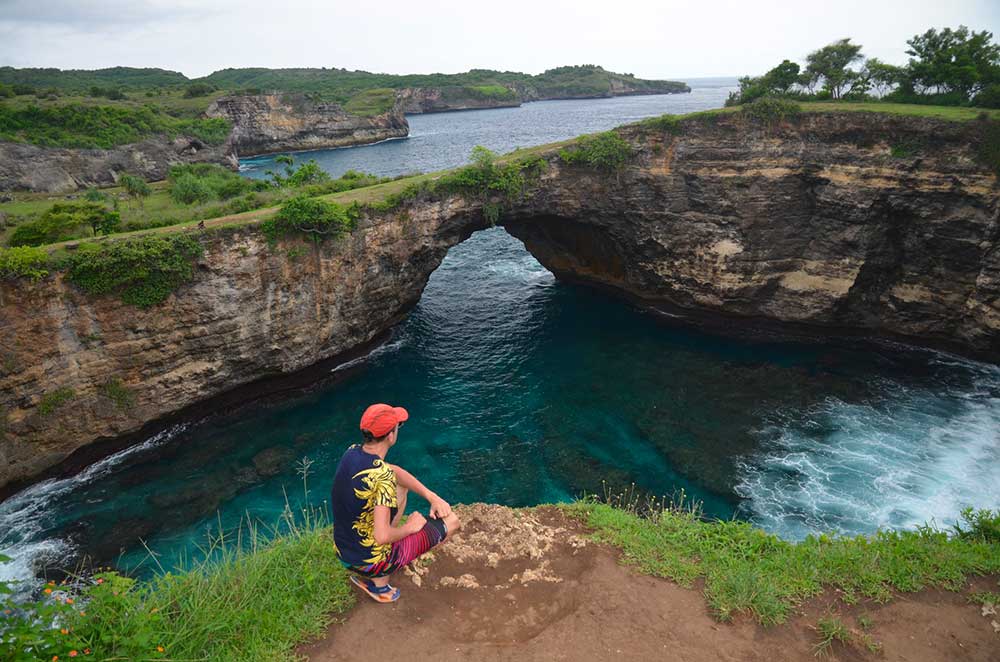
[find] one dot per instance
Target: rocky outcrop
(811, 222)
(26, 167)
(417, 100)
(269, 123)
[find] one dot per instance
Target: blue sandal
(383, 594)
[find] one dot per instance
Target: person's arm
(439, 507)
(386, 534)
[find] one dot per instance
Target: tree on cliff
(66, 220)
(831, 65)
(953, 61)
(135, 187)
(779, 80)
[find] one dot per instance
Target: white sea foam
(918, 456)
(25, 515)
(384, 348)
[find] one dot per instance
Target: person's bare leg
(452, 523)
(401, 493)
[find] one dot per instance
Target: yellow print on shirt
(378, 489)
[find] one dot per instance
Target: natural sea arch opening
(528, 389)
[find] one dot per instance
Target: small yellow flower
(154, 610)
(64, 631)
(159, 649)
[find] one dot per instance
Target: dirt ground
(528, 585)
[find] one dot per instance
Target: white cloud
(664, 38)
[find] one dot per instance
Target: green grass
(952, 113)
(747, 570)
(253, 597)
(371, 102)
(830, 629)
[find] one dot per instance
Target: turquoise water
(525, 390)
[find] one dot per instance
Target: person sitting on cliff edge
(368, 501)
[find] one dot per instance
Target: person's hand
(415, 522)
(439, 508)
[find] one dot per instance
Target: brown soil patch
(519, 585)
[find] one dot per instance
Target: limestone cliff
(812, 222)
(26, 167)
(417, 100)
(268, 123)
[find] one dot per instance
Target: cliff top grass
(746, 570)
(258, 593)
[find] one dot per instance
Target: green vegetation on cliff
(82, 80)
(495, 183)
(101, 127)
(748, 570)
(142, 271)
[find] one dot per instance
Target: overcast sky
(650, 38)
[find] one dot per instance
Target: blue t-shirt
(362, 482)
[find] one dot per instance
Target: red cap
(380, 419)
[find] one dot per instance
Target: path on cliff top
(518, 585)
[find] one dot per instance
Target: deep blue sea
(524, 390)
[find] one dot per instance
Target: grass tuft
(830, 629)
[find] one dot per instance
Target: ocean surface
(524, 390)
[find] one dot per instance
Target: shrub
(983, 526)
(52, 401)
(247, 202)
(307, 173)
(603, 151)
(143, 271)
(666, 123)
(989, 97)
(135, 187)
(118, 393)
(771, 110)
(66, 220)
(23, 262)
(198, 90)
(312, 217)
(94, 195)
(187, 189)
(200, 182)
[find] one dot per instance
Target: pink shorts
(405, 550)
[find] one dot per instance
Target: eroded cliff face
(417, 100)
(268, 123)
(812, 222)
(55, 170)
